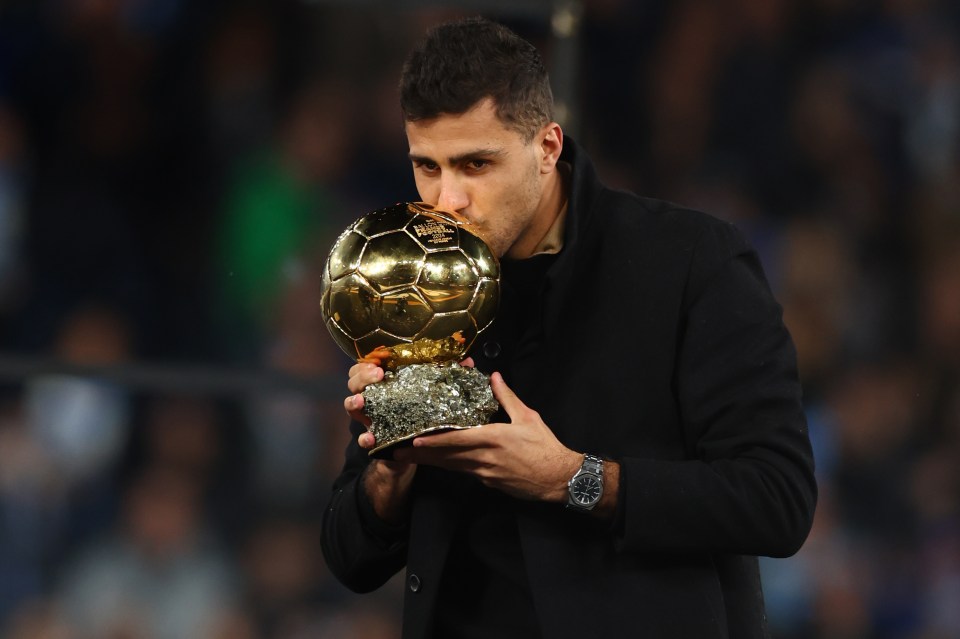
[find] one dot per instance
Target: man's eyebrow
(484, 153)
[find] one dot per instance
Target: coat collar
(584, 187)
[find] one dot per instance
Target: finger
(455, 438)
(451, 458)
(362, 375)
(356, 368)
(468, 362)
(354, 407)
(366, 440)
(507, 398)
(353, 403)
(366, 369)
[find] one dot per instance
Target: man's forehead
(449, 143)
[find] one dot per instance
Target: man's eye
(427, 167)
(476, 165)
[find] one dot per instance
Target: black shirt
(484, 590)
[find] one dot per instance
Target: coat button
(491, 350)
(413, 582)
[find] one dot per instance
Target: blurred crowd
(172, 174)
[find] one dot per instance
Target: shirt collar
(552, 241)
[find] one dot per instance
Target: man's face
(474, 165)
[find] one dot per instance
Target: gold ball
(409, 284)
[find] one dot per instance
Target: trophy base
(420, 399)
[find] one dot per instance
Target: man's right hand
(387, 483)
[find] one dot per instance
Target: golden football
(408, 284)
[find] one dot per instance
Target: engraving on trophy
(438, 233)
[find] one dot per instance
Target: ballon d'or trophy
(411, 287)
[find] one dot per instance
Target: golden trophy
(410, 287)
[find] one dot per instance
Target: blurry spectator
(936, 484)
(290, 595)
(183, 432)
(281, 209)
(297, 439)
(818, 284)
(195, 434)
(37, 620)
(82, 231)
(82, 422)
(240, 77)
(932, 129)
(939, 307)
(876, 408)
(687, 61)
(60, 442)
(283, 573)
(159, 576)
(31, 517)
(836, 171)
(821, 591)
(288, 432)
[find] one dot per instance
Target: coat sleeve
(361, 550)
(747, 485)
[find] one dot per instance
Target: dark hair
(460, 63)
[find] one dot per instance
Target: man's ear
(550, 140)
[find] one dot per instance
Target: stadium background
(172, 174)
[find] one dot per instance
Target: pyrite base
(425, 398)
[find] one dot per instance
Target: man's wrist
(569, 467)
(606, 507)
(387, 486)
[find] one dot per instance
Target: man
(651, 441)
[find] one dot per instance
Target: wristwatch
(586, 487)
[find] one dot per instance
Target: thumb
(507, 398)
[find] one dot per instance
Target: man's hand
(523, 458)
(387, 483)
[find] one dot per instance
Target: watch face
(586, 490)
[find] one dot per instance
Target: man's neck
(555, 198)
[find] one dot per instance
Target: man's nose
(452, 196)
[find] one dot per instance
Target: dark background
(172, 174)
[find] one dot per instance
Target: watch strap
(591, 464)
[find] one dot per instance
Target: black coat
(663, 348)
